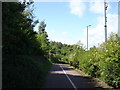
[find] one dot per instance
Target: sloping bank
(23, 71)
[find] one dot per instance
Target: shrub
(102, 62)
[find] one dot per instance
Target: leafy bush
(102, 62)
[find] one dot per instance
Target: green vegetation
(25, 52)
(102, 62)
(28, 55)
(24, 71)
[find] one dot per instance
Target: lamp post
(87, 35)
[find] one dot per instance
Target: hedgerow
(102, 62)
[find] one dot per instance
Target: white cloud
(98, 7)
(64, 40)
(70, 0)
(77, 7)
(64, 33)
(63, 37)
(97, 34)
(112, 23)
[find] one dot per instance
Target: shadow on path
(57, 78)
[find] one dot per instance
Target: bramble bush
(102, 62)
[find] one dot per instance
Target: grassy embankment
(24, 71)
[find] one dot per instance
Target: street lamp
(87, 35)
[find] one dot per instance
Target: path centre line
(68, 78)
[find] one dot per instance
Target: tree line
(18, 34)
(25, 62)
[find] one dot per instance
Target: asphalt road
(62, 76)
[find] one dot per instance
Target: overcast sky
(67, 21)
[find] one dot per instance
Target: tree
(42, 37)
(42, 27)
(18, 34)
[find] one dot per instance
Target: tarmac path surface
(62, 76)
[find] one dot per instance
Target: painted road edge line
(69, 78)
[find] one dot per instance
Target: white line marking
(69, 78)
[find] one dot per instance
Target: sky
(67, 21)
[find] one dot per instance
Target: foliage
(18, 34)
(59, 51)
(20, 43)
(42, 38)
(24, 71)
(102, 62)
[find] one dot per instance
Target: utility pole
(87, 35)
(119, 21)
(105, 8)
